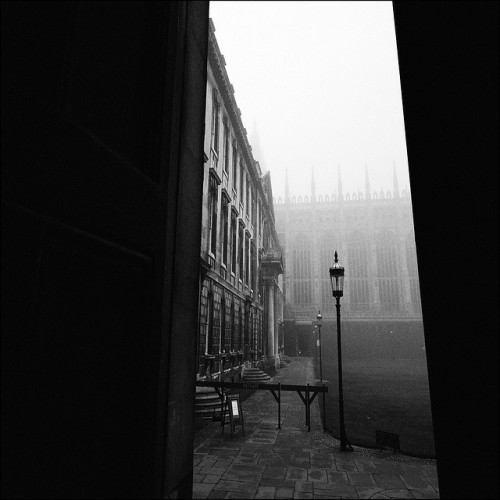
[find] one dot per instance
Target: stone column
(276, 325)
(270, 319)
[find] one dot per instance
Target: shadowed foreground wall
(102, 167)
(448, 63)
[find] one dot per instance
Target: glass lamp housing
(337, 278)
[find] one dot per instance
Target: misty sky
(319, 83)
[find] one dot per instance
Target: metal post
(320, 364)
(343, 438)
(324, 411)
(279, 405)
(308, 415)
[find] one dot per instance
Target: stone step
(252, 374)
(206, 400)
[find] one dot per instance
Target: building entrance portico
(271, 268)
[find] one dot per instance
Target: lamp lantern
(337, 278)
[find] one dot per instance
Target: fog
(318, 87)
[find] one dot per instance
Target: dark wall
(448, 59)
(102, 142)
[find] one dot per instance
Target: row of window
(231, 158)
(387, 267)
(237, 248)
(238, 253)
(226, 325)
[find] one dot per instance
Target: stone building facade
(241, 299)
(373, 234)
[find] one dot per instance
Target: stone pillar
(277, 316)
(270, 319)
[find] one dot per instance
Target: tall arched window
(411, 262)
(358, 253)
(387, 267)
(327, 246)
(222, 345)
(302, 266)
(210, 323)
(232, 317)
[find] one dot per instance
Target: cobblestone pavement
(293, 463)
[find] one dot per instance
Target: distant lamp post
(337, 280)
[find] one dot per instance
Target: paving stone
(296, 474)
(397, 494)
(388, 468)
(365, 466)
(304, 486)
(211, 478)
(265, 492)
(283, 492)
(302, 494)
(361, 479)
(241, 475)
(424, 494)
(337, 477)
(433, 482)
(217, 494)
(245, 460)
(267, 462)
(198, 496)
(213, 470)
(203, 489)
(430, 472)
(324, 464)
(340, 490)
(389, 481)
(240, 486)
(346, 466)
(285, 483)
(198, 478)
(256, 469)
(416, 482)
(225, 462)
(274, 472)
(366, 492)
(301, 462)
(315, 475)
(235, 494)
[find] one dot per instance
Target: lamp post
(319, 318)
(337, 280)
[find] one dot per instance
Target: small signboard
(233, 411)
(387, 439)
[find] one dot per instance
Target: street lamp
(337, 280)
(320, 318)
